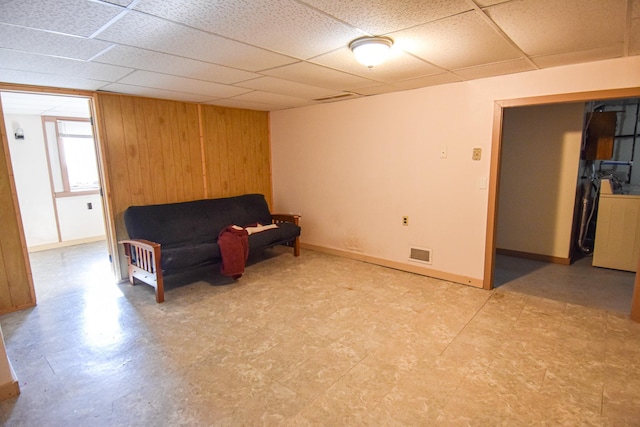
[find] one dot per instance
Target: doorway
(496, 158)
(56, 170)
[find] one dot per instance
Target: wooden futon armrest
(143, 260)
(279, 218)
(148, 244)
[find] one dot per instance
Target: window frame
(61, 158)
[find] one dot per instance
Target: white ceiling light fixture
(371, 51)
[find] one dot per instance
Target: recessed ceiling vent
(420, 255)
(336, 97)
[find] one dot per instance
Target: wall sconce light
(371, 51)
(19, 134)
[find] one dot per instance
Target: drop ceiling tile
(148, 32)
(181, 84)
(244, 105)
(155, 93)
(315, 75)
(69, 111)
(437, 79)
(560, 59)
(123, 3)
(178, 61)
(21, 103)
(60, 66)
(273, 99)
(170, 64)
(76, 17)
(495, 69)
(41, 79)
(287, 87)
(69, 106)
(377, 90)
(457, 42)
(380, 17)
(487, 3)
(398, 66)
(36, 104)
(284, 26)
(545, 27)
(27, 40)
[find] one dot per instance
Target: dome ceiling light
(371, 51)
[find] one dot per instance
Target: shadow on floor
(210, 273)
(509, 269)
(579, 283)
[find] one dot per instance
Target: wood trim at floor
(9, 390)
(456, 278)
(635, 300)
(17, 308)
(535, 257)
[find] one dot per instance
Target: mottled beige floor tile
(286, 356)
(272, 406)
(369, 381)
(313, 376)
(319, 340)
(341, 409)
(575, 388)
(621, 402)
(409, 405)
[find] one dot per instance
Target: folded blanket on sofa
(252, 229)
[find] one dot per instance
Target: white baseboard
(65, 244)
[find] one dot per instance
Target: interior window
(73, 160)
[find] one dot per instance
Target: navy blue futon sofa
(175, 237)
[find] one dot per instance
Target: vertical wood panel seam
(202, 152)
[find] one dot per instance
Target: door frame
(494, 168)
(92, 97)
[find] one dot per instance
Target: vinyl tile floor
(579, 283)
(315, 340)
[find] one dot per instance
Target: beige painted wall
(354, 168)
(538, 178)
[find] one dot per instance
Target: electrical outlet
(405, 220)
(443, 152)
(477, 154)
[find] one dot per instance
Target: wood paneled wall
(159, 151)
(154, 151)
(237, 152)
(16, 283)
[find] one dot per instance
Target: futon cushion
(195, 222)
(178, 258)
(284, 233)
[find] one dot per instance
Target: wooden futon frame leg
(143, 261)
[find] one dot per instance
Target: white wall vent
(420, 255)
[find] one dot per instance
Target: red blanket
(234, 249)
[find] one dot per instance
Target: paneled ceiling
(277, 54)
